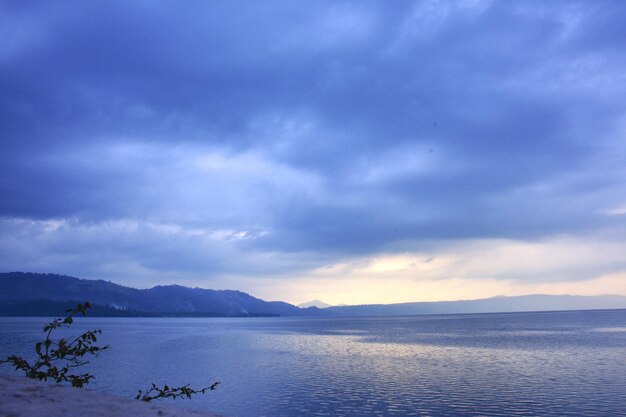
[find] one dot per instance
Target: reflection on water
(611, 329)
(519, 364)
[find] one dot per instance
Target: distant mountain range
(32, 294)
(502, 304)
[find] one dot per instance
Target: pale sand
(23, 397)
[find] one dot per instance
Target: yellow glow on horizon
(355, 291)
(464, 270)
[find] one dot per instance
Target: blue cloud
(338, 127)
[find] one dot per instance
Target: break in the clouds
(234, 144)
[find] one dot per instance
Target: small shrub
(168, 392)
(56, 360)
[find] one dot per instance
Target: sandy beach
(23, 397)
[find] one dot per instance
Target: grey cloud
(514, 109)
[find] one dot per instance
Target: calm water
(519, 364)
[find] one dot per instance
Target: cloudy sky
(351, 151)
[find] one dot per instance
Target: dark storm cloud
(335, 127)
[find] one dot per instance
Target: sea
(570, 363)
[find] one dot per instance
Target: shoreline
(25, 397)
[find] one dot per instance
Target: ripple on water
(557, 364)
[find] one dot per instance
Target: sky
(348, 151)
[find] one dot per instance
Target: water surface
(514, 364)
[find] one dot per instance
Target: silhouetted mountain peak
(314, 303)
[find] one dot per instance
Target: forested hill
(22, 293)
